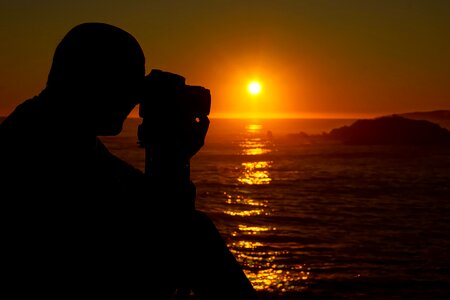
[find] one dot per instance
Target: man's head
(99, 70)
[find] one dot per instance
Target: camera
(175, 119)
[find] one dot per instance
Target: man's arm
(124, 172)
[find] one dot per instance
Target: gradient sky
(313, 58)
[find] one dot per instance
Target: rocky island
(390, 130)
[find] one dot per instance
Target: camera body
(165, 90)
(175, 122)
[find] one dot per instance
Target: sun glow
(254, 88)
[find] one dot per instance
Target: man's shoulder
(23, 135)
(23, 113)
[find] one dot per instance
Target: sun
(254, 88)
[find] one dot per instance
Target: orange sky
(313, 58)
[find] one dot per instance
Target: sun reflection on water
(245, 207)
(255, 173)
(253, 128)
(240, 200)
(254, 146)
(254, 229)
(245, 213)
(265, 268)
(264, 263)
(279, 280)
(246, 244)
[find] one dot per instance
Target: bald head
(98, 69)
(95, 51)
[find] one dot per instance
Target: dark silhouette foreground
(78, 221)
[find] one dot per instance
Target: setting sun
(254, 88)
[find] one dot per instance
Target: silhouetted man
(79, 221)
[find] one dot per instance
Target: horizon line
(305, 116)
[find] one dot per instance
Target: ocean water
(323, 221)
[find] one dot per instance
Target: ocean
(322, 221)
